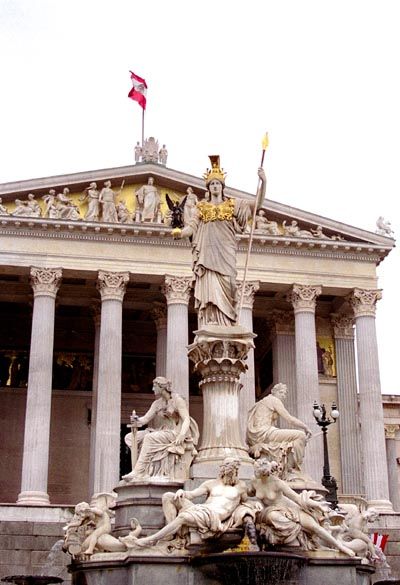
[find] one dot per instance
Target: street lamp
(323, 421)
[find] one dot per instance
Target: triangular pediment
(280, 222)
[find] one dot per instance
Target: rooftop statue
(3, 208)
(226, 506)
(287, 446)
(213, 228)
(264, 226)
(150, 150)
(289, 518)
(384, 227)
(108, 200)
(138, 152)
(189, 210)
(168, 446)
(163, 155)
(66, 207)
(148, 201)
(91, 195)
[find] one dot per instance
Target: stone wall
(32, 548)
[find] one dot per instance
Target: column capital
(303, 297)
(159, 314)
(281, 321)
(45, 281)
(177, 289)
(112, 285)
(343, 326)
(250, 289)
(363, 301)
(391, 431)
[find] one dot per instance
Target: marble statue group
(268, 507)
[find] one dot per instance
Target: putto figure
(168, 447)
(214, 227)
(265, 438)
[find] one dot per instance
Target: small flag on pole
(380, 540)
(265, 141)
(139, 90)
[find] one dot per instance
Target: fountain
(251, 525)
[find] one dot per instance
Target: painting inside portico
(97, 302)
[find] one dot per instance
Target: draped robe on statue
(214, 258)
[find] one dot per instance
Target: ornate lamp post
(323, 421)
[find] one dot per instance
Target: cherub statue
(89, 531)
(384, 227)
(176, 212)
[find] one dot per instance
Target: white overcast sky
(321, 76)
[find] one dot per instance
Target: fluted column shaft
(371, 412)
(349, 433)
(303, 299)
(112, 286)
(247, 396)
(284, 356)
(177, 293)
(96, 311)
(45, 284)
(159, 313)
(391, 432)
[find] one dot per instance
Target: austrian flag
(139, 90)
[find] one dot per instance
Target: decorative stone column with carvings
(159, 314)
(391, 436)
(177, 293)
(96, 314)
(112, 287)
(281, 324)
(248, 392)
(350, 446)
(376, 484)
(219, 354)
(304, 299)
(45, 283)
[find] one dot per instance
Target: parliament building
(96, 301)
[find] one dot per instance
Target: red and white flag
(380, 540)
(139, 90)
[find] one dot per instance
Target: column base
(33, 499)
(381, 506)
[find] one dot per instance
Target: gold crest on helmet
(215, 172)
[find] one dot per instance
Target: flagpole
(142, 127)
(246, 265)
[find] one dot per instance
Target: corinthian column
(303, 299)
(159, 314)
(45, 283)
(391, 434)
(247, 395)
(177, 293)
(112, 286)
(350, 447)
(363, 303)
(281, 324)
(96, 314)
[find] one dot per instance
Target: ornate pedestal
(219, 354)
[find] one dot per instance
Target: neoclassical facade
(95, 301)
